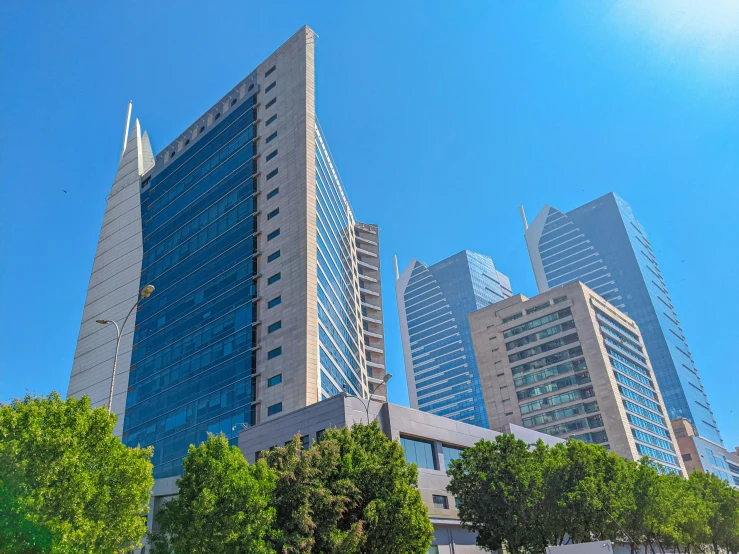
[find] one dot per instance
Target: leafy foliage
(574, 492)
(352, 492)
(223, 504)
(67, 484)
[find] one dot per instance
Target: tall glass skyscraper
(433, 304)
(603, 245)
(244, 228)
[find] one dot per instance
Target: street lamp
(144, 293)
(385, 379)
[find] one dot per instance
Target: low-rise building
(700, 454)
(428, 440)
(568, 363)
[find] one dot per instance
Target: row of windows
(616, 324)
(534, 323)
(628, 362)
(630, 343)
(548, 360)
(643, 411)
(639, 398)
(567, 367)
(545, 347)
(556, 399)
(592, 437)
(635, 374)
(592, 422)
(553, 386)
(556, 329)
(538, 308)
(634, 385)
(649, 426)
(513, 317)
(423, 454)
(645, 450)
(561, 413)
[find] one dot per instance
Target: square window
(276, 380)
(273, 256)
(271, 120)
(274, 327)
(273, 193)
(271, 155)
(270, 71)
(274, 409)
(274, 353)
(274, 302)
(305, 442)
(270, 138)
(273, 213)
(273, 234)
(320, 434)
(419, 452)
(270, 87)
(272, 173)
(441, 501)
(276, 277)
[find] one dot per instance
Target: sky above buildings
(442, 118)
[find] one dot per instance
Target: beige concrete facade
(551, 363)
(114, 285)
(294, 92)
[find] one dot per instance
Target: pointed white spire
(128, 124)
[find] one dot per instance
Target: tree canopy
(67, 484)
(350, 493)
(526, 499)
(223, 505)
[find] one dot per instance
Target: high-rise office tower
(433, 304)
(569, 364)
(243, 226)
(603, 245)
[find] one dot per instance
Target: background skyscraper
(603, 245)
(243, 226)
(569, 364)
(433, 304)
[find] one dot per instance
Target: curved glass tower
(433, 304)
(603, 245)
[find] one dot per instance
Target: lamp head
(146, 291)
(387, 377)
(102, 321)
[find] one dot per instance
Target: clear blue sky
(443, 117)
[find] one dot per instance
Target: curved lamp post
(144, 293)
(385, 379)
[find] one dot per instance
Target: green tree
(352, 493)
(499, 485)
(587, 483)
(529, 499)
(223, 506)
(721, 503)
(67, 484)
